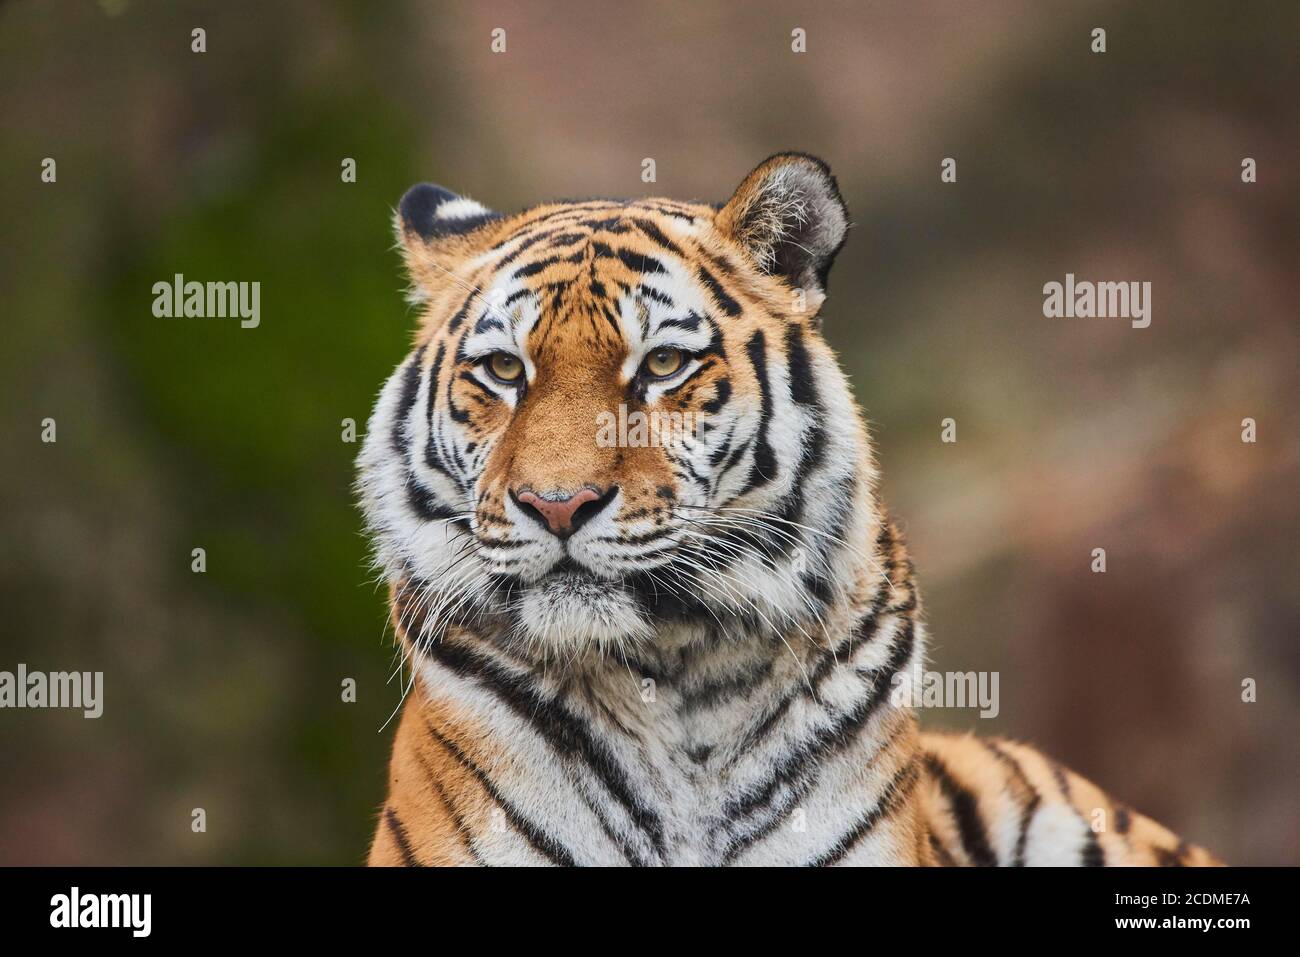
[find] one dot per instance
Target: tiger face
(620, 418)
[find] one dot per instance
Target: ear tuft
(789, 218)
(433, 213)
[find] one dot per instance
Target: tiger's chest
(685, 760)
(719, 776)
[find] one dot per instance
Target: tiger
(673, 647)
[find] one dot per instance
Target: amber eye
(664, 362)
(505, 367)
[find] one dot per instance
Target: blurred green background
(223, 689)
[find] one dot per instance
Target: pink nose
(561, 514)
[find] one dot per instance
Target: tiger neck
(702, 662)
(702, 744)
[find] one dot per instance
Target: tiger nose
(564, 516)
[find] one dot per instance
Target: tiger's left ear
(434, 225)
(789, 217)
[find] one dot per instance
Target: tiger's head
(621, 417)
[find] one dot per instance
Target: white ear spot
(460, 208)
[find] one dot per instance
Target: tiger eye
(664, 362)
(505, 367)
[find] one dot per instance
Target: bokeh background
(223, 689)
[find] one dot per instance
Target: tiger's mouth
(573, 582)
(569, 572)
(571, 606)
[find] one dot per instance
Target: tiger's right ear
(789, 218)
(435, 224)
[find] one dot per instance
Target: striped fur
(702, 672)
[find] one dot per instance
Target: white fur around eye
(485, 343)
(507, 392)
(658, 387)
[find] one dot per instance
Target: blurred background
(223, 689)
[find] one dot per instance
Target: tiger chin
(671, 652)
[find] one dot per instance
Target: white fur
(460, 208)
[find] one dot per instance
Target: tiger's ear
(789, 217)
(434, 224)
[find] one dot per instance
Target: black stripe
(435, 456)
(733, 460)
(435, 370)
(799, 787)
(1062, 781)
(803, 384)
(612, 319)
(799, 769)
(839, 735)
(523, 247)
(812, 450)
(1091, 854)
(763, 468)
(669, 208)
(406, 401)
(608, 224)
(721, 396)
(965, 811)
(714, 348)
(462, 828)
(640, 262)
(536, 266)
(504, 546)
(689, 323)
(660, 297)
(812, 455)
(567, 239)
(396, 829)
(562, 730)
(455, 322)
(1175, 857)
(729, 305)
(424, 503)
(896, 791)
(819, 586)
(540, 841)
(1032, 799)
(710, 693)
(656, 234)
(862, 632)
(941, 853)
(458, 415)
(720, 453)
(645, 538)
(473, 380)
(515, 296)
(722, 264)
